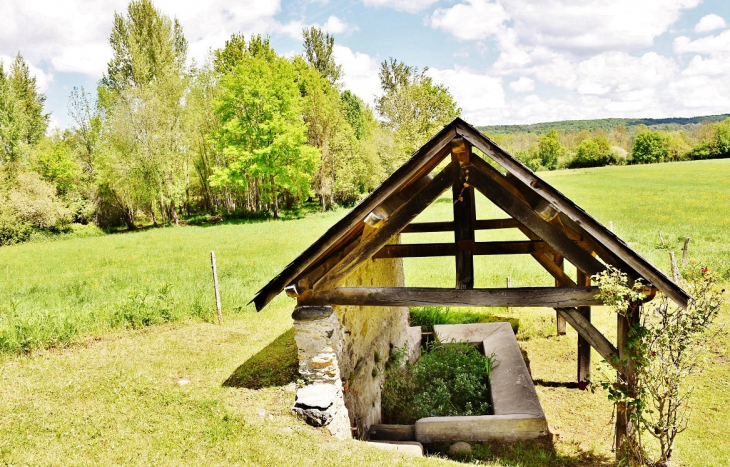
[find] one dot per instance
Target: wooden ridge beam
(503, 197)
(483, 224)
(592, 335)
(388, 228)
(550, 297)
(418, 250)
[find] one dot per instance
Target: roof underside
(575, 225)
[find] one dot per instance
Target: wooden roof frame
(557, 228)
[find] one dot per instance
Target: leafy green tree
(31, 101)
(13, 121)
(412, 106)
(262, 131)
(355, 113)
(722, 139)
(236, 49)
(146, 165)
(595, 152)
(319, 52)
(649, 147)
(146, 44)
(550, 150)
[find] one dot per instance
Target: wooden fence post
(675, 269)
(215, 284)
(684, 251)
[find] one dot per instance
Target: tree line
(638, 144)
(248, 132)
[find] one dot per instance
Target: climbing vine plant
(669, 344)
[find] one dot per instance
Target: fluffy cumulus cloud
(524, 84)
(474, 20)
(360, 73)
(480, 97)
(709, 23)
(411, 6)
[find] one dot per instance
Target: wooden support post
(584, 348)
(626, 379)
(559, 320)
(464, 215)
(684, 251)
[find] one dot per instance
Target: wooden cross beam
(464, 214)
(449, 249)
(551, 297)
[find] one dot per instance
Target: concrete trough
(518, 414)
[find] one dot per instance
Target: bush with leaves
(669, 345)
(448, 380)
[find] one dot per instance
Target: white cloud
(524, 84)
(710, 23)
(480, 96)
(621, 75)
(705, 45)
(360, 73)
(578, 27)
(410, 6)
(335, 25)
(42, 79)
(474, 20)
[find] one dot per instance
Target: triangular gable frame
(572, 233)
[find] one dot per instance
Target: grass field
(94, 384)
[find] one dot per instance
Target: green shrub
(12, 230)
(448, 380)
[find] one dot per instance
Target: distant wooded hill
(606, 124)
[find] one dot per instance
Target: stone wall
(356, 352)
(368, 335)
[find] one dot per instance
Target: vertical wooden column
(624, 427)
(584, 348)
(464, 215)
(559, 320)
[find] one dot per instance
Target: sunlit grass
(106, 395)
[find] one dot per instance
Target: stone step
(411, 448)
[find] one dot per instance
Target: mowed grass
(188, 391)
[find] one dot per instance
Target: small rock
(262, 413)
(319, 396)
(460, 448)
(286, 430)
(183, 381)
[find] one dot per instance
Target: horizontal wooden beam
(592, 335)
(484, 224)
(551, 297)
(419, 250)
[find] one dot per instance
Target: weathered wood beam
(390, 227)
(627, 377)
(423, 161)
(592, 227)
(521, 211)
(551, 297)
(307, 280)
(384, 210)
(449, 249)
(464, 214)
(483, 224)
(584, 347)
(594, 337)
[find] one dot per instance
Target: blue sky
(505, 61)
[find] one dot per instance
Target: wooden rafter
(389, 228)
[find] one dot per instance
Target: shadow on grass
(276, 364)
(538, 453)
(555, 384)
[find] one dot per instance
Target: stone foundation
(347, 347)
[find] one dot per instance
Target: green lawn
(112, 391)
